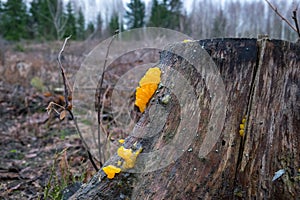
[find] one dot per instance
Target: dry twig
(283, 18)
(296, 21)
(67, 87)
(100, 123)
(68, 105)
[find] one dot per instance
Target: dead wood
(261, 79)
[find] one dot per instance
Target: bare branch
(67, 87)
(57, 18)
(100, 123)
(68, 94)
(283, 18)
(296, 21)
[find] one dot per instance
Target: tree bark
(262, 84)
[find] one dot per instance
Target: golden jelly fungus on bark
(111, 171)
(119, 163)
(147, 87)
(151, 76)
(187, 40)
(241, 132)
(242, 127)
(244, 121)
(121, 141)
(128, 156)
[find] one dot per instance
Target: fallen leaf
(62, 115)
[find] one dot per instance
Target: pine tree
(40, 19)
(174, 14)
(71, 22)
(14, 20)
(80, 25)
(48, 19)
(158, 12)
(165, 14)
(99, 24)
(1, 14)
(219, 25)
(114, 24)
(136, 14)
(89, 30)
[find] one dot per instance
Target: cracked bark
(261, 79)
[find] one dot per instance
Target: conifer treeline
(42, 19)
(52, 20)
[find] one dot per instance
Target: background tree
(70, 28)
(89, 30)
(158, 14)
(57, 17)
(14, 20)
(1, 14)
(136, 14)
(99, 26)
(166, 14)
(219, 25)
(80, 25)
(115, 24)
(48, 18)
(40, 21)
(174, 13)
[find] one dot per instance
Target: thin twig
(296, 21)
(86, 146)
(65, 81)
(283, 18)
(68, 92)
(100, 124)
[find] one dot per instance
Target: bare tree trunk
(262, 82)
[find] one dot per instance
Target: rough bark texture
(262, 81)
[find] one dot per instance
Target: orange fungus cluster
(111, 170)
(147, 86)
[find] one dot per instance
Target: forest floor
(40, 155)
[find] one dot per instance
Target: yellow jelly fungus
(119, 163)
(242, 132)
(147, 87)
(129, 156)
(121, 141)
(111, 170)
(186, 41)
(244, 121)
(151, 76)
(242, 126)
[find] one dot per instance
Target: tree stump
(262, 84)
